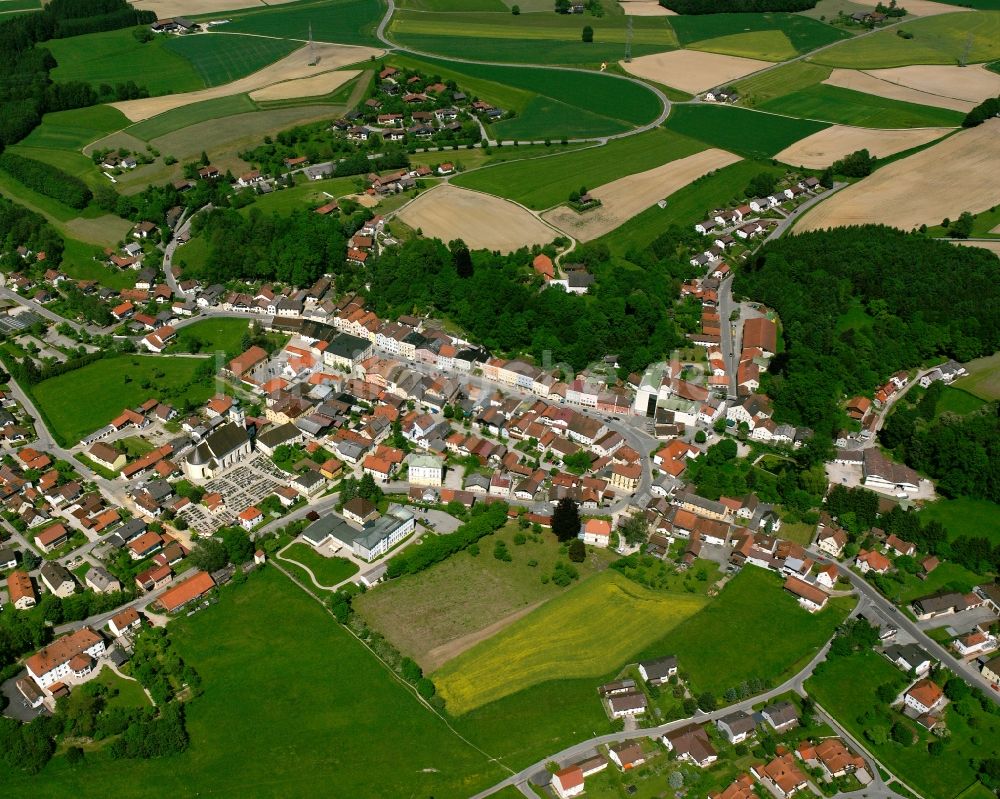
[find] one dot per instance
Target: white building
(226, 445)
(73, 655)
(425, 470)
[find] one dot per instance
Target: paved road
(100, 619)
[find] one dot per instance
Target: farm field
(778, 82)
(940, 181)
(831, 144)
(180, 118)
(626, 197)
(174, 8)
(869, 83)
(692, 71)
(454, 5)
(112, 384)
(765, 45)
(480, 220)
(439, 613)
(221, 58)
(803, 33)
(327, 571)
(750, 133)
(340, 21)
(211, 335)
(936, 40)
(74, 130)
(846, 687)
(965, 517)
(544, 182)
(983, 379)
(352, 699)
(315, 86)
(117, 56)
(836, 104)
(973, 83)
(534, 649)
(645, 8)
(296, 65)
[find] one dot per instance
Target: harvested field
(823, 148)
(292, 67)
(931, 8)
(316, 86)
(626, 197)
(973, 83)
(482, 221)
(183, 8)
(941, 181)
(992, 246)
(869, 84)
(691, 70)
(645, 8)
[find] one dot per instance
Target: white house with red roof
(596, 532)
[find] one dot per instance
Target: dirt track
(941, 181)
(821, 149)
(440, 655)
(692, 70)
(626, 197)
(480, 220)
(293, 66)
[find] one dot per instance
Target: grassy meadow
(802, 33)
(966, 517)
(222, 58)
(786, 79)
(327, 571)
(748, 133)
(848, 107)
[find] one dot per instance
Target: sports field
(327, 700)
(750, 133)
(111, 385)
(564, 639)
(835, 104)
(221, 58)
(936, 40)
(804, 34)
(544, 182)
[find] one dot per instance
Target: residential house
(21, 590)
(627, 704)
(194, 587)
(810, 597)
(101, 581)
(73, 655)
(909, 657)
(568, 782)
(657, 672)
(596, 532)
(57, 578)
(627, 755)
(124, 622)
(782, 716)
(691, 745)
(737, 727)
(924, 696)
(870, 560)
(782, 775)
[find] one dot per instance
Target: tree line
(987, 109)
(46, 179)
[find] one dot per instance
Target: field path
(440, 655)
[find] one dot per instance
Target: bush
(588, 33)
(577, 551)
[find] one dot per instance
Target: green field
(544, 182)
(958, 401)
(180, 118)
(453, 5)
(11, 6)
(781, 81)
(764, 45)
(689, 205)
(803, 33)
(211, 335)
(748, 133)
(566, 638)
(222, 58)
(945, 574)
(974, 518)
(529, 38)
(327, 571)
(343, 21)
(74, 130)
(936, 40)
(846, 686)
(79, 263)
(848, 107)
(328, 701)
(983, 379)
(114, 57)
(111, 385)
(127, 693)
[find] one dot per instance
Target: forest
(46, 179)
(901, 280)
(20, 227)
(694, 7)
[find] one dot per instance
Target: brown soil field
(992, 246)
(482, 221)
(626, 197)
(869, 84)
(973, 83)
(316, 86)
(183, 8)
(292, 67)
(821, 149)
(645, 8)
(928, 8)
(941, 181)
(692, 70)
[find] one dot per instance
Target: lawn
(748, 133)
(846, 687)
(211, 335)
(223, 58)
(835, 104)
(803, 33)
(957, 401)
(966, 517)
(688, 205)
(435, 614)
(114, 57)
(74, 130)
(292, 705)
(944, 575)
(763, 45)
(343, 21)
(79, 263)
(983, 379)
(743, 619)
(111, 385)
(127, 693)
(566, 638)
(328, 571)
(544, 182)
(781, 81)
(180, 118)
(936, 40)
(854, 318)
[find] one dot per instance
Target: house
(568, 782)
(57, 578)
(831, 540)
(782, 716)
(657, 672)
(899, 547)
(251, 517)
(52, 537)
(783, 774)
(975, 642)
(626, 755)
(21, 590)
(834, 758)
(945, 603)
(881, 474)
(991, 670)
(154, 578)
(106, 456)
(870, 560)
(740, 788)
(737, 727)
(627, 704)
(691, 745)
(810, 597)
(72, 655)
(125, 621)
(924, 696)
(761, 333)
(909, 657)
(194, 587)
(101, 581)
(425, 470)
(596, 532)
(145, 545)
(8, 559)
(360, 511)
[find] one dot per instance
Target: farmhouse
(72, 655)
(945, 604)
(626, 755)
(881, 474)
(568, 782)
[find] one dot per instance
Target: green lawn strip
(211, 335)
(935, 40)
(848, 107)
(343, 21)
(749, 133)
(223, 58)
(327, 571)
(179, 118)
(965, 516)
(805, 34)
(957, 401)
(544, 182)
(8, 6)
(114, 57)
(336, 699)
(846, 687)
(112, 384)
(687, 206)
